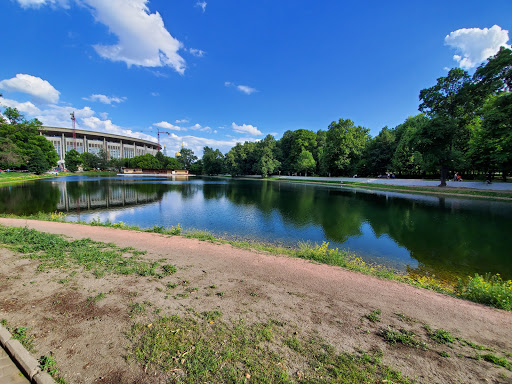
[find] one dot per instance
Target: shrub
(489, 290)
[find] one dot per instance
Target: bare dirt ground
(89, 342)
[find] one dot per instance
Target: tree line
(465, 126)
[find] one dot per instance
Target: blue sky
(217, 72)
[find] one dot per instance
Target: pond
(431, 235)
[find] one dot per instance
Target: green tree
(89, 161)
(378, 153)
(345, 145)
(407, 159)
(451, 106)
(147, 161)
(72, 160)
(117, 164)
(38, 163)
(212, 161)
(267, 163)
(197, 167)
(186, 158)
(306, 162)
(18, 140)
(172, 163)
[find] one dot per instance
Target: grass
(402, 336)
(440, 336)
(374, 316)
(191, 350)
(450, 190)
(26, 339)
(496, 360)
(54, 252)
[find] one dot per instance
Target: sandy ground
(89, 342)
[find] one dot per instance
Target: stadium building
(116, 146)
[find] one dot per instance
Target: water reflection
(425, 234)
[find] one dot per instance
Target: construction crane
(74, 131)
(158, 135)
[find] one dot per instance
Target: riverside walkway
(495, 186)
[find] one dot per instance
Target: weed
(496, 360)
(404, 318)
(24, 338)
(94, 299)
(487, 289)
(440, 336)
(220, 294)
(293, 343)
(201, 235)
(211, 315)
(402, 336)
(48, 364)
(254, 294)
(213, 286)
(444, 354)
(169, 269)
(171, 285)
(374, 316)
(3, 322)
(138, 308)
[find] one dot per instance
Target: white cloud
(26, 107)
(197, 52)
(475, 45)
(39, 3)
(143, 38)
(202, 5)
(96, 124)
(173, 143)
(242, 88)
(105, 99)
(166, 125)
(155, 94)
(246, 89)
(40, 89)
(245, 128)
(181, 121)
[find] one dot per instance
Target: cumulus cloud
(202, 5)
(173, 143)
(96, 124)
(40, 89)
(196, 52)
(143, 38)
(26, 107)
(105, 99)
(166, 125)
(242, 88)
(475, 45)
(245, 128)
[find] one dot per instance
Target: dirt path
(326, 300)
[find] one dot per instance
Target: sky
(217, 72)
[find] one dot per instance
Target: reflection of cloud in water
(380, 249)
(112, 216)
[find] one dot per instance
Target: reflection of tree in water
(29, 198)
(441, 236)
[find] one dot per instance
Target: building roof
(94, 134)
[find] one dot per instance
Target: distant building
(116, 146)
(163, 172)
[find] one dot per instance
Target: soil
(88, 339)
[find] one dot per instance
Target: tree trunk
(444, 172)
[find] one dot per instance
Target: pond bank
(254, 287)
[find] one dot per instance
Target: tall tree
(72, 160)
(451, 106)
(267, 163)
(306, 162)
(212, 161)
(345, 145)
(186, 158)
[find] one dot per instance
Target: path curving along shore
(321, 299)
